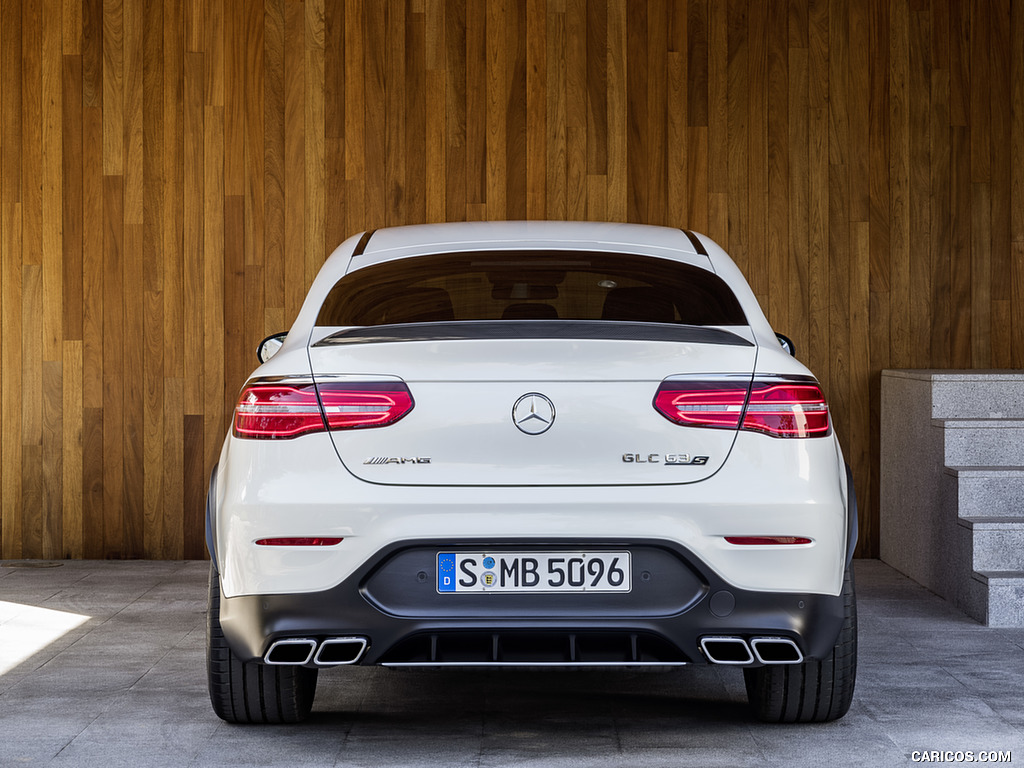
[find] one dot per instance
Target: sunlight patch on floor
(25, 630)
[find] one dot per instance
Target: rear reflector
(776, 406)
(762, 540)
(270, 410)
(299, 542)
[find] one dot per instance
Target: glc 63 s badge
(668, 459)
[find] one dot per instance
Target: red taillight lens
(702, 404)
(277, 411)
(274, 411)
(787, 410)
(351, 406)
(780, 407)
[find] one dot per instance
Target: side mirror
(269, 346)
(787, 344)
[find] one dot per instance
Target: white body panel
(756, 485)
(294, 488)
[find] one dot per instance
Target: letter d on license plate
(460, 572)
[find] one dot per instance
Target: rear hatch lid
(532, 403)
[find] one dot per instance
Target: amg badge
(397, 460)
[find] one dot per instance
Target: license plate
(533, 572)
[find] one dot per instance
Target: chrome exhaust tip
(294, 651)
(726, 650)
(776, 650)
(336, 651)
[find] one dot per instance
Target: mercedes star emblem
(533, 413)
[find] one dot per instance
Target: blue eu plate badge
(445, 572)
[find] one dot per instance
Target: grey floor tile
(128, 687)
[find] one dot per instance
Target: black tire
(250, 691)
(814, 691)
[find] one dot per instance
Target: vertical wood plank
(113, 367)
(597, 88)
(655, 119)
(52, 213)
(132, 280)
(71, 197)
(455, 95)
(778, 173)
(314, 131)
(536, 108)
(193, 232)
(617, 113)
(918, 94)
(72, 525)
(10, 383)
(556, 157)
(113, 87)
(798, 199)
(939, 221)
(899, 171)
(212, 322)
(393, 90)
(373, 176)
(274, 157)
(476, 103)
(515, 112)
(496, 106)
(417, 128)
(697, 53)
(636, 113)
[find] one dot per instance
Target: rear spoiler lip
(491, 330)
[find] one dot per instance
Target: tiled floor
(102, 664)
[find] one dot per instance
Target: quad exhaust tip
(776, 650)
(293, 650)
(332, 652)
(765, 650)
(726, 650)
(337, 651)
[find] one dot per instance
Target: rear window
(530, 285)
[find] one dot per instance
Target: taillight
(777, 406)
(276, 411)
(787, 409)
(354, 406)
(716, 404)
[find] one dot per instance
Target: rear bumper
(675, 603)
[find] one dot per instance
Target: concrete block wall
(952, 487)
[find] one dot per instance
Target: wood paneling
(172, 175)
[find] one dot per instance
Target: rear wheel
(250, 691)
(814, 691)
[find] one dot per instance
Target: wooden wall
(173, 173)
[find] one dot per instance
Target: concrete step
(977, 395)
(1002, 598)
(997, 543)
(988, 491)
(983, 442)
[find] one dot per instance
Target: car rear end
(531, 445)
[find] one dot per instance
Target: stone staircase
(952, 487)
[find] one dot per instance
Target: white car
(531, 444)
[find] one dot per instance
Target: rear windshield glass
(530, 285)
